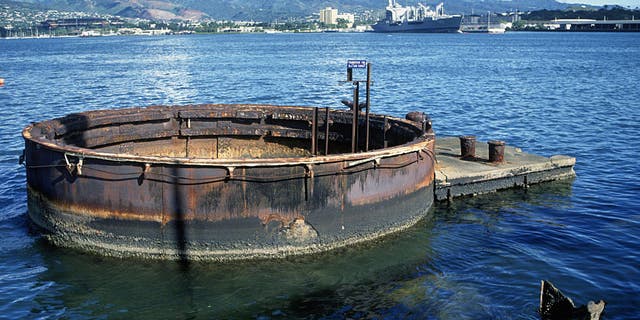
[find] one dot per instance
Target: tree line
(606, 12)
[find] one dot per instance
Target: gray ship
(417, 19)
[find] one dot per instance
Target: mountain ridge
(265, 10)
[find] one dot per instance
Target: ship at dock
(419, 18)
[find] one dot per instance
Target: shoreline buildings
(330, 16)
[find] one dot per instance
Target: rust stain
(96, 212)
(221, 163)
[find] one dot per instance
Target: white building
(329, 16)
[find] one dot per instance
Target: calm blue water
(480, 258)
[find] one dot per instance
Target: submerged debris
(555, 305)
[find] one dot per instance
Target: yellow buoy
(1, 82)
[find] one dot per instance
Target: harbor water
(477, 258)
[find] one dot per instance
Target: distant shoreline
(291, 32)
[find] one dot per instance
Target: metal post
(467, 147)
(326, 130)
(314, 132)
(366, 147)
(384, 132)
(354, 121)
(496, 151)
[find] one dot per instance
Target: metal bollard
(496, 151)
(421, 118)
(416, 116)
(467, 147)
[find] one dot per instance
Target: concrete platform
(456, 177)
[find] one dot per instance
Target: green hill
(269, 10)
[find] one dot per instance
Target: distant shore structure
(632, 25)
(418, 18)
(330, 16)
(478, 24)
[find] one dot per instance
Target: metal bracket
(230, 170)
(145, 170)
(308, 171)
(71, 166)
(79, 166)
(376, 161)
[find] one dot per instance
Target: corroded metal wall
(94, 184)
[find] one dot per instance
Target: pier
(476, 173)
(583, 25)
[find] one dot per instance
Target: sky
(624, 3)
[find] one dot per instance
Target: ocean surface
(478, 258)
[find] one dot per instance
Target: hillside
(611, 13)
(146, 9)
(269, 10)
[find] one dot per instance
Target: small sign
(356, 64)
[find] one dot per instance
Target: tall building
(329, 16)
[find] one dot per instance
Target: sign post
(368, 100)
(359, 64)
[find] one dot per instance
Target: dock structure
(476, 174)
(583, 25)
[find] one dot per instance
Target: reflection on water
(478, 258)
(296, 286)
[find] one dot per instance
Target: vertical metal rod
(366, 147)
(316, 114)
(384, 132)
(354, 121)
(314, 132)
(326, 130)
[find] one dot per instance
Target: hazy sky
(624, 3)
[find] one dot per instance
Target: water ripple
(478, 258)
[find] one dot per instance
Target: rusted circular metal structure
(225, 182)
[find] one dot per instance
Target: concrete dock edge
(456, 177)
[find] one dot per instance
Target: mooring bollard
(415, 116)
(496, 151)
(421, 118)
(467, 147)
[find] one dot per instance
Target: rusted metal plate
(227, 186)
(82, 122)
